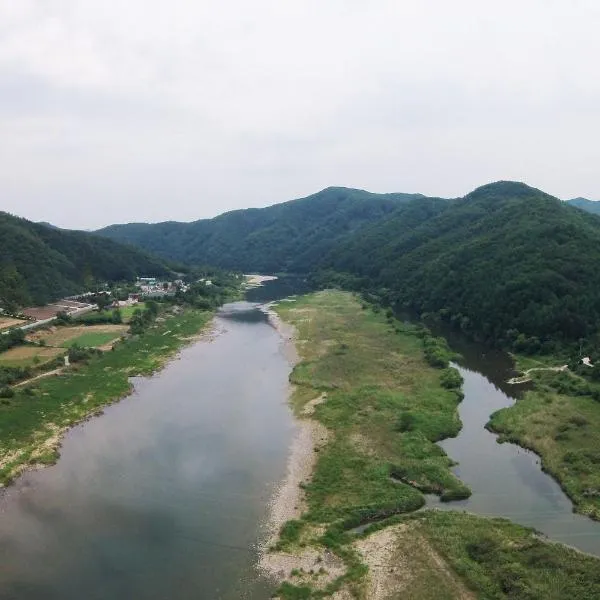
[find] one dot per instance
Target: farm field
(92, 339)
(92, 335)
(8, 322)
(26, 356)
(127, 311)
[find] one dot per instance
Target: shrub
(406, 422)
(451, 379)
(6, 392)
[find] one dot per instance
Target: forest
(290, 236)
(40, 263)
(507, 264)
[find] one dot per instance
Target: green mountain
(290, 236)
(507, 263)
(39, 263)
(585, 204)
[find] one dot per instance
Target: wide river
(163, 497)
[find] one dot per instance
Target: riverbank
(34, 420)
(364, 381)
(559, 419)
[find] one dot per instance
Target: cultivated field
(127, 311)
(25, 356)
(8, 322)
(91, 336)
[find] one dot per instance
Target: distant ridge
(284, 237)
(585, 204)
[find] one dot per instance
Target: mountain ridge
(280, 237)
(40, 263)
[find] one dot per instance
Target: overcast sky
(140, 110)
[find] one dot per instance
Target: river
(506, 480)
(164, 495)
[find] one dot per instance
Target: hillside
(40, 263)
(508, 263)
(285, 237)
(585, 204)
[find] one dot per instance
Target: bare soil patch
(8, 322)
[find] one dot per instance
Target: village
(39, 340)
(86, 302)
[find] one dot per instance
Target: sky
(114, 111)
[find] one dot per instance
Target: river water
(163, 496)
(506, 480)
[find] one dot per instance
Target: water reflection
(163, 496)
(507, 480)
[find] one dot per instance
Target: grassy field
(384, 406)
(26, 356)
(93, 339)
(91, 335)
(384, 402)
(560, 421)
(127, 311)
(31, 421)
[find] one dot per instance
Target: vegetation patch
(500, 560)
(385, 405)
(84, 336)
(93, 339)
(385, 408)
(560, 420)
(26, 356)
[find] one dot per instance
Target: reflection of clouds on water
(149, 500)
(507, 480)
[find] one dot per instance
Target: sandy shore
(288, 502)
(257, 280)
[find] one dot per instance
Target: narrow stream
(163, 496)
(506, 480)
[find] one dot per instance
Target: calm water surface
(506, 480)
(163, 496)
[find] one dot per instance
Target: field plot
(26, 356)
(127, 311)
(91, 336)
(8, 322)
(92, 339)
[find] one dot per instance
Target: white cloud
(145, 110)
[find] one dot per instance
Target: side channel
(506, 480)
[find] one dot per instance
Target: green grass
(373, 374)
(500, 560)
(127, 311)
(37, 413)
(28, 356)
(384, 407)
(92, 340)
(564, 430)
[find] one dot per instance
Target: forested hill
(508, 263)
(290, 236)
(39, 263)
(585, 204)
